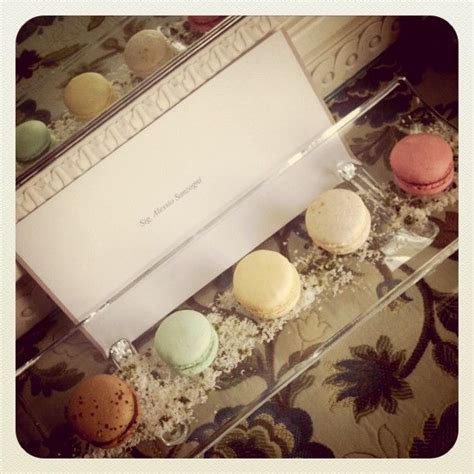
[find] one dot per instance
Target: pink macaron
(422, 164)
(202, 24)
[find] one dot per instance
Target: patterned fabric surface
(388, 389)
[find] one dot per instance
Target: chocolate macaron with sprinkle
(103, 410)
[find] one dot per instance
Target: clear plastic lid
(257, 359)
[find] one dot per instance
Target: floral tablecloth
(388, 389)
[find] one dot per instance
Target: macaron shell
(88, 94)
(292, 300)
(102, 409)
(206, 360)
(425, 189)
(338, 221)
(266, 284)
(184, 338)
(132, 426)
(356, 244)
(32, 140)
(146, 51)
(421, 158)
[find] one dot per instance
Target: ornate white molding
(32, 305)
(348, 55)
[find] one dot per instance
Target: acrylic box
(339, 293)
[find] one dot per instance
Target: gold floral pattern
(268, 433)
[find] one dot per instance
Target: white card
(102, 231)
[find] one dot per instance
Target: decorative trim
(32, 305)
(349, 55)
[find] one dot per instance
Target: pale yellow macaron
(338, 221)
(88, 94)
(146, 51)
(266, 284)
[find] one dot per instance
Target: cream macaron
(88, 94)
(338, 221)
(146, 51)
(266, 284)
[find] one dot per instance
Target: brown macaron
(103, 410)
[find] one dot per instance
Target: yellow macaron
(88, 94)
(266, 284)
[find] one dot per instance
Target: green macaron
(187, 342)
(32, 140)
